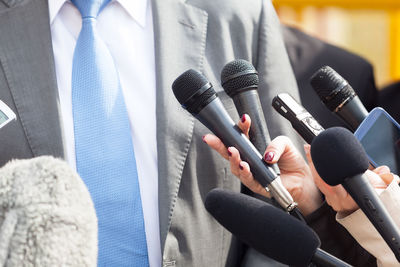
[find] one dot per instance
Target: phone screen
(3, 117)
(382, 143)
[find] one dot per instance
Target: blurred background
(370, 28)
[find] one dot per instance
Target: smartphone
(302, 121)
(379, 134)
(6, 114)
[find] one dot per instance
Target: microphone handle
(353, 112)
(323, 258)
(248, 102)
(367, 199)
(216, 118)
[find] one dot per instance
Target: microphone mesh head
(239, 75)
(331, 88)
(193, 91)
(326, 81)
(187, 84)
(337, 155)
(263, 227)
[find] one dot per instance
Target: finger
(387, 178)
(382, 170)
(336, 196)
(234, 159)
(276, 148)
(375, 180)
(216, 144)
(244, 124)
(246, 177)
(396, 178)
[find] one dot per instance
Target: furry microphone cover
(47, 217)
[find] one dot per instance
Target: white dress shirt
(126, 26)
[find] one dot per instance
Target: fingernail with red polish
(229, 152)
(204, 139)
(243, 118)
(269, 156)
(240, 166)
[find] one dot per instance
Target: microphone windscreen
(337, 155)
(47, 217)
(263, 227)
(238, 75)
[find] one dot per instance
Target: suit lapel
(180, 33)
(26, 57)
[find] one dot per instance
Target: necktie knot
(90, 8)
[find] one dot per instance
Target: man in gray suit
(198, 34)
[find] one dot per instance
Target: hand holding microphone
(337, 197)
(238, 167)
(240, 81)
(295, 173)
(348, 168)
(198, 96)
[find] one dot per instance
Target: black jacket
(307, 54)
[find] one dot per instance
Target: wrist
(311, 203)
(311, 198)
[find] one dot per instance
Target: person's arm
(298, 179)
(347, 213)
(336, 240)
(365, 233)
(295, 173)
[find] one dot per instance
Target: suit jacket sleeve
(336, 240)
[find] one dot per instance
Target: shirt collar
(137, 9)
(54, 8)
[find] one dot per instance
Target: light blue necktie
(104, 151)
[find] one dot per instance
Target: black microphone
(268, 229)
(240, 80)
(336, 93)
(302, 121)
(339, 158)
(197, 95)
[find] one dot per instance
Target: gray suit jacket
(200, 34)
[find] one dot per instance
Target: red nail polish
(243, 118)
(229, 153)
(204, 139)
(269, 156)
(241, 167)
